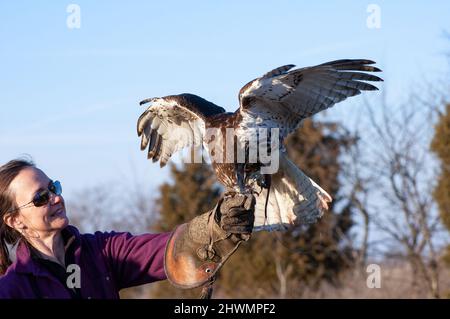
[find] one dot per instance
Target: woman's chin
(60, 222)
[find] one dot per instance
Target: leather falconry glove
(198, 249)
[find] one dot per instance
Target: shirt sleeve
(134, 260)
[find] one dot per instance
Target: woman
(42, 256)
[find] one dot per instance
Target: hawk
(276, 102)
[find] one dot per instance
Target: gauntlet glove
(198, 249)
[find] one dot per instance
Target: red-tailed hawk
(271, 107)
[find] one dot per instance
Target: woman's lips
(59, 212)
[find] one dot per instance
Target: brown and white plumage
(173, 123)
(280, 99)
(283, 98)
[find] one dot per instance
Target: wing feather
(173, 122)
(303, 92)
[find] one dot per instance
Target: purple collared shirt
(108, 262)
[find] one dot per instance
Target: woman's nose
(55, 199)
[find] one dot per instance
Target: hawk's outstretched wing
(282, 98)
(172, 123)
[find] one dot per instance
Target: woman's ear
(13, 221)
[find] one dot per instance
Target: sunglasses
(43, 197)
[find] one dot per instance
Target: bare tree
(358, 184)
(94, 208)
(392, 177)
(122, 204)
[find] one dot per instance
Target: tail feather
(294, 199)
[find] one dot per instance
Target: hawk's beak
(151, 99)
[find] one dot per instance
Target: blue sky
(69, 97)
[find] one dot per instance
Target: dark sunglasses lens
(41, 198)
(56, 188)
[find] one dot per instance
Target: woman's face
(45, 219)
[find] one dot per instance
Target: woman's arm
(190, 256)
(134, 260)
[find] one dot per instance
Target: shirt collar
(24, 262)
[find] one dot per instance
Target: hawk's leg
(240, 175)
